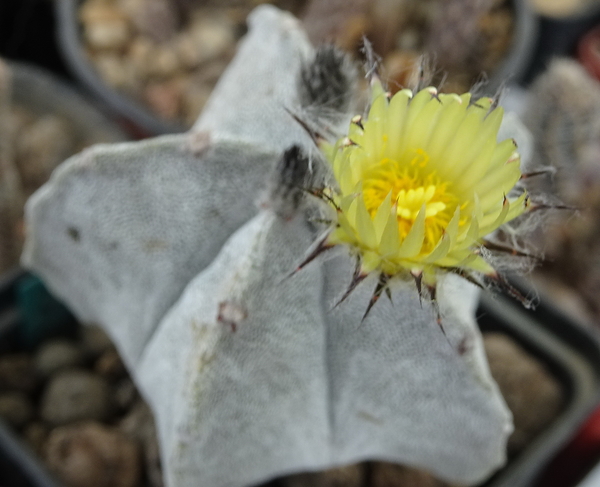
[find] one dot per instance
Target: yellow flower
(421, 181)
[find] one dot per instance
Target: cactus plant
(563, 114)
(250, 367)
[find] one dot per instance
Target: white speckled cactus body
(251, 373)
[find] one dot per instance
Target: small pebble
(117, 72)
(164, 98)
(390, 475)
(40, 147)
(93, 455)
(110, 366)
(125, 393)
(106, 27)
(347, 476)
(309, 479)
(212, 36)
(139, 54)
(532, 394)
(15, 408)
(57, 355)
(560, 8)
(74, 395)
(195, 96)
(95, 341)
(154, 19)
(150, 50)
(344, 21)
(139, 425)
(162, 63)
(17, 373)
(35, 434)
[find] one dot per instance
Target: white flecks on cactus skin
(249, 368)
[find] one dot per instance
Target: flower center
(410, 202)
(411, 187)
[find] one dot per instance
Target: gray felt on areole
(251, 374)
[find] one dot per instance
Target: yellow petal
(390, 239)
(396, 122)
(382, 216)
(452, 228)
(424, 123)
(364, 224)
(440, 251)
(450, 120)
(413, 242)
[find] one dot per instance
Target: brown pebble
(117, 72)
(125, 393)
(194, 97)
(40, 147)
(139, 55)
(92, 455)
(163, 62)
(110, 366)
(105, 26)
(341, 20)
(151, 50)
(532, 394)
(15, 408)
(74, 395)
(17, 373)
(95, 341)
(139, 425)
(346, 476)
(385, 474)
(403, 68)
(164, 98)
(212, 36)
(154, 19)
(35, 435)
(309, 479)
(56, 355)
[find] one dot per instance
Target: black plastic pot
(41, 92)
(569, 352)
(525, 36)
(69, 39)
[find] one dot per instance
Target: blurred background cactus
(563, 114)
